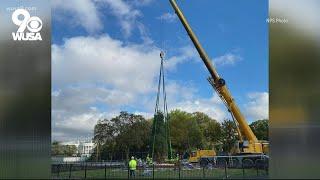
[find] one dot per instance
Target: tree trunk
(98, 153)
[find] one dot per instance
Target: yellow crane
(252, 145)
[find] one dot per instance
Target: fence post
(70, 169)
(225, 169)
(203, 173)
(58, 170)
(267, 169)
(128, 171)
(105, 171)
(242, 169)
(152, 170)
(257, 169)
(85, 170)
(179, 169)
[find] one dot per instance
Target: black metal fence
(224, 168)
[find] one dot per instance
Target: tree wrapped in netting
(159, 138)
(160, 135)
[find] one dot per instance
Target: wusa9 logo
(24, 21)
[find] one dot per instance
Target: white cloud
(141, 2)
(144, 34)
(227, 59)
(74, 125)
(147, 115)
(168, 17)
(75, 99)
(212, 107)
(56, 93)
(86, 13)
(130, 68)
(125, 13)
(177, 91)
(103, 70)
(186, 53)
(82, 13)
(258, 106)
(83, 122)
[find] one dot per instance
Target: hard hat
(132, 157)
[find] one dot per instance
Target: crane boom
(219, 83)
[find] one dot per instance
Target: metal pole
(128, 172)
(267, 169)
(70, 168)
(85, 170)
(203, 173)
(179, 170)
(242, 169)
(152, 171)
(105, 171)
(225, 169)
(58, 170)
(214, 166)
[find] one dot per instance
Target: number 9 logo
(34, 23)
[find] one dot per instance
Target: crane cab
(195, 156)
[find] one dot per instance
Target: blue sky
(105, 59)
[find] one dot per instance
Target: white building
(84, 148)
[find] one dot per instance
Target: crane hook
(161, 54)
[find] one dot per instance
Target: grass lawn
(164, 174)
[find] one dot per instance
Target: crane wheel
(204, 162)
(247, 163)
(234, 163)
(262, 163)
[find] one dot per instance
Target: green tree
(185, 132)
(132, 132)
(56, 149)
(101, 131)
(124, 133)
(158, 137)
(228, 135)
(69, 150)
(210, 129)
(62, 150)
(261, 129)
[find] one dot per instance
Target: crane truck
(248, 143)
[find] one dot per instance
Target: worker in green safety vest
(132, 167)
(149, 160)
